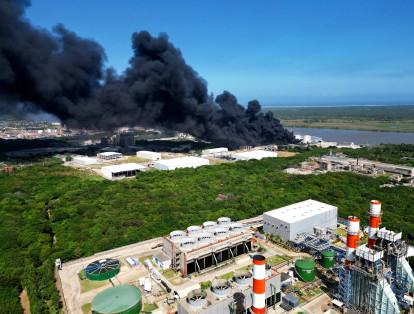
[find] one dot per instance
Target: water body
(358, 137)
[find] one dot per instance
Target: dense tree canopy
(51, 211)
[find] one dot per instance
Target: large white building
(254, 154)
(182, 162)
(109, 155)
(215, 151)
(83, 160)
(121, 171)
(144, 154)
(289, 221)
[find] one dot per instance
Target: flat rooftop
(299, 211)
(109, 154)
(255, 154)
(183, 161)
(124, 167)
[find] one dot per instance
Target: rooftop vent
(209, 224)
(205, 237)
(243, 277)
(192, 230)
(220, 288)
(188, 243)
(224, 221)
(177, 235)
(221, 232)
(197, 298)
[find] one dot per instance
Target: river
(358, 137)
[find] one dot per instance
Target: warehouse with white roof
(289, 221)
(144, 154)
(121, 171)
(182, 162)
(254, 154)
(109, 155)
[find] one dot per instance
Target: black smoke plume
(64, 75)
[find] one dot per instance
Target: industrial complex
(297, 258)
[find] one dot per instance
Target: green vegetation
(149, 307)
(375, 118)
(87, 308)
(277, 259)
(227, 276)
(50, 211)
(205, 285)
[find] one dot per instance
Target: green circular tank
(103, 269)
(305, 269)
(124, 299)
(328, 259)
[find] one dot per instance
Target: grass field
(372, 118)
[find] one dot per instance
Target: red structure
(352, 239)
(259, 284)
(374, 222)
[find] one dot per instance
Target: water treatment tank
(123, 299)
(305, 269)
(328, 259)
(102, 269)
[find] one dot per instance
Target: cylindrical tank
(123, 299)
(328, 259)
(305, 269)
(224, 221)
(103, 269)
(209, 224)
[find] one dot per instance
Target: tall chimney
(259, 284)
(352, 239)
(374, 222)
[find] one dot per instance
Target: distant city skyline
(279, 52)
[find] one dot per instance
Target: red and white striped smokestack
(259, 284)
(374, 222)
(352, 239)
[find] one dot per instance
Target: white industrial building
(254, 154)
(182, 162)
(144, 154)
(121, 171)
(219, 151)
(109, 155)
(289, 221)
(83, 160)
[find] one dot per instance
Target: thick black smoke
(63, 74)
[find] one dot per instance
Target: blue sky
(279, 52)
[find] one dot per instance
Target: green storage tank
(328, 259)
(305, 269)
(103, 269)
(124, 299)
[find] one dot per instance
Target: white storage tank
(177, 235)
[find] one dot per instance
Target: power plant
(375, 277)
(292, 258)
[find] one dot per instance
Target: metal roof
(254, 154)
(109, 154)
(300, 211)
(188, 161)
(124, 167)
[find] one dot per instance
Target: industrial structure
(144, 154)
(181, 162)
(109, 155)
(102, 269)
(242, 294)
(254, 154)
(83, 160)
(339, 162)
(123, 299)
(375, 277)
(202, 248)
(121, 171)
(290, 221)
(215, 152)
